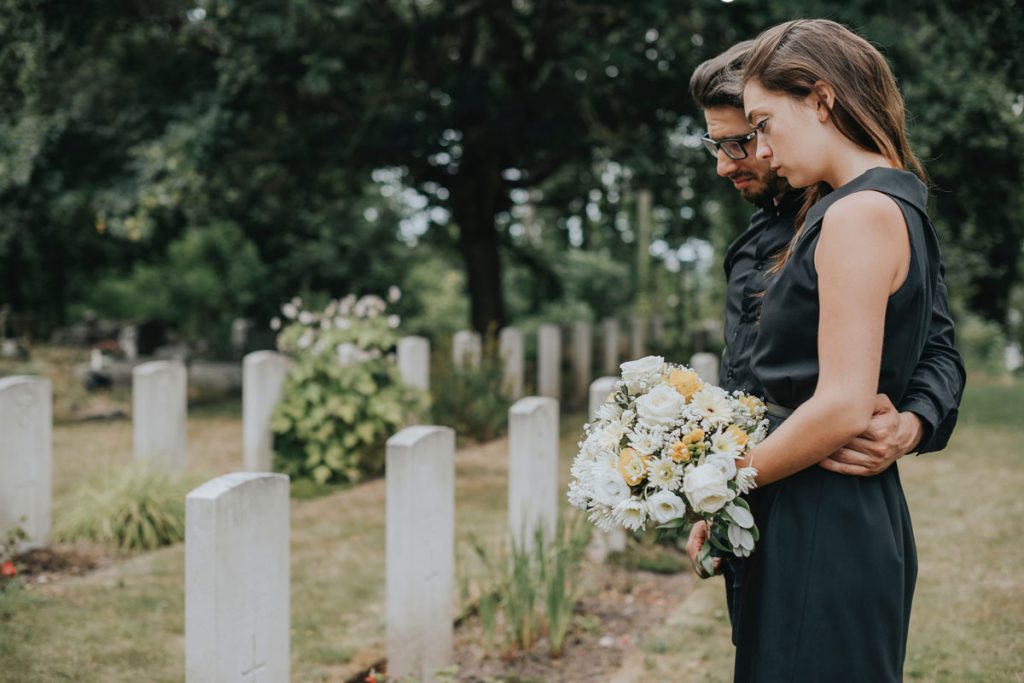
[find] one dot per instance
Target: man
(926, 415)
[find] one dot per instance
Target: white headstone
(264, 373)
(237, 567)
(420, 481)
(582, 353)
(604, 542)
(414, 361)
(532, 469)
(96, 360)
(466, 347)
(706, 365)
(128, 340)
(549, 361)
(240, 333)
(26, 462)
(510, 346)
(610, 330)
(160, 413)
(637, 337)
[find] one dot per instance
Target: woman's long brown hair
(868, 107)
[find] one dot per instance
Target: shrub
(132, 508)
(470, 400)
(344, 396)
(982, 343)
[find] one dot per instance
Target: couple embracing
(837, 313)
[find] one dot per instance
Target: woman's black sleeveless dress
(825, 597)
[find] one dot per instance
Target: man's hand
(698, 537)
(890, 435)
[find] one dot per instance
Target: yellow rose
(738, 435)
(686, 382)
(632, 466)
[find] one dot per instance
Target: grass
(127, 621)
(969, 601)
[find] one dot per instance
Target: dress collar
(901, 184)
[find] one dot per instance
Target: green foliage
(469, 399)
(435, 304)
(209, 277)
(535, 590)
(131, 508)
(982, 344)
(343, 396)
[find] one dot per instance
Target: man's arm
(937, 384)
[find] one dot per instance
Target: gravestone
(510, 347)
(466, 348)
(637, 338)
(532, 469)
(26, 457)
(414, 361)
(420, 566)
(264, 373)
(160, 413)
(549, 361)
(237, 568)
(610, 334)
(582, 352)
(706, 365)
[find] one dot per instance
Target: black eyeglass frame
(712, 145)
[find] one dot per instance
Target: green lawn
(968, 618)
(125, 622)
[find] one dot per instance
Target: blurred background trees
(205, 160)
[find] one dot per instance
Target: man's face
(753, 177)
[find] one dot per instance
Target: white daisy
(746, 479)
(631, 513)
(645, 441)
(713, 406)
(665, 474)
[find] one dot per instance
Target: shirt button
(730, 374)
(759, 265)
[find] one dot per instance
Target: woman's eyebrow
(753, 113)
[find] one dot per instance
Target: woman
(826, 595)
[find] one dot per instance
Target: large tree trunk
(476, 200)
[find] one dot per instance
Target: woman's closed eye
(761, 126)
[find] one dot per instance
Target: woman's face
(791, 134)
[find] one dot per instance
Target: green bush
(132, 508)
(344, 396)
(470, 400)
(982, 343)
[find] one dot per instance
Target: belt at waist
(777, 411)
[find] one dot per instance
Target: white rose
(661, 406)
(725, 463)
(609, 487)
(705, 487)
(642, 369)
(664, 506)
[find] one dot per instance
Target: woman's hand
(698, 537)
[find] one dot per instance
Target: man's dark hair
(718, 82)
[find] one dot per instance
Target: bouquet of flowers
(663, 448)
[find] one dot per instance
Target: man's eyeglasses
(734, 148)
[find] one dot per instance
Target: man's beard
(771, 187)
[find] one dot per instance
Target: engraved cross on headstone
(255, 671)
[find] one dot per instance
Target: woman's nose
(763, 150)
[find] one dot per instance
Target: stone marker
(604, 542)
(610, 332)
(26, 462)
(237, 566)
(582, 353)
(532, 469)
(414, 361)
(466, 347)
(706, 365)
(264, 373)
(510, 346)
(549, 361)
(159, 413)
(420, 482)
(637, 337)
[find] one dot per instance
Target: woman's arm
(862, 256)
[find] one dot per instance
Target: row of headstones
(237, 610)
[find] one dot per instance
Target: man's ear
(824, 97)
